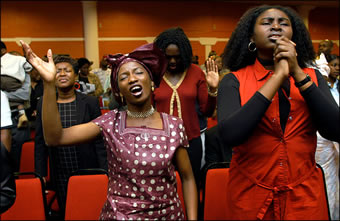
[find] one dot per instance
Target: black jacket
(92, 155)
(215, 150)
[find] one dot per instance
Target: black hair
(331, 57)
(82, 61)
(178, 37)
(62, 58)
(2, 45)
(236, 54)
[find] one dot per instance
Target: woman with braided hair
(184, 87)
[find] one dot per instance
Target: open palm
(46, 70)
(212, 76)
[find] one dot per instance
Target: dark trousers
(195, 155)
(19, 137)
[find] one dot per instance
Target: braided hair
(176, 36)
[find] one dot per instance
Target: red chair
(30, 201)
(180, 193)
(86, 195)
(27, 159)
(105, 111)
(215, 195)
(27, 165)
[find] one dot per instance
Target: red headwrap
(148, 55)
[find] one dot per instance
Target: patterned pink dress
(142, 178)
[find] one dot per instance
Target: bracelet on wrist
(303, 82)
(212, 94)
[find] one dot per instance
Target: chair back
(29, 203)
(180, 193)
(86, 195)
(215, 194)
(104, 111)
(27, 159)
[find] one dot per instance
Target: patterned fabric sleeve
(100, 121)
(183, 139)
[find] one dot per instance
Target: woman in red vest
(269, 109)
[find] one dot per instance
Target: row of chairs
(86, 196)
(28, 190)
(27, 165)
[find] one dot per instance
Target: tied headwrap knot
(148, 55)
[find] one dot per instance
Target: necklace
(144, 114)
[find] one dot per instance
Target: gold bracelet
(212, 94)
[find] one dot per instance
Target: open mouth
(136, 90)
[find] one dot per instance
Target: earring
(152, 88)
(121, 98)
(252, 46)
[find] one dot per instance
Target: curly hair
(62, 58)
(178, 37)
(236, 53)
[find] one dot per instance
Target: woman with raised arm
(142, 144)
(269, 108)
(185, 91)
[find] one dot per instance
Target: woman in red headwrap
(143, 145)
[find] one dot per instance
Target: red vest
(273, 175)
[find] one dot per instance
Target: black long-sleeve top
(237, 123)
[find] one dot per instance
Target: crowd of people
(268, 105)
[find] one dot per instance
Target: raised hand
(212, 76)
(46, 70)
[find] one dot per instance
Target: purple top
(142, 178)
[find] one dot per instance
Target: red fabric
(211, 122)
(273, 175)
(192, 89)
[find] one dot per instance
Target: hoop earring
(252, 46)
